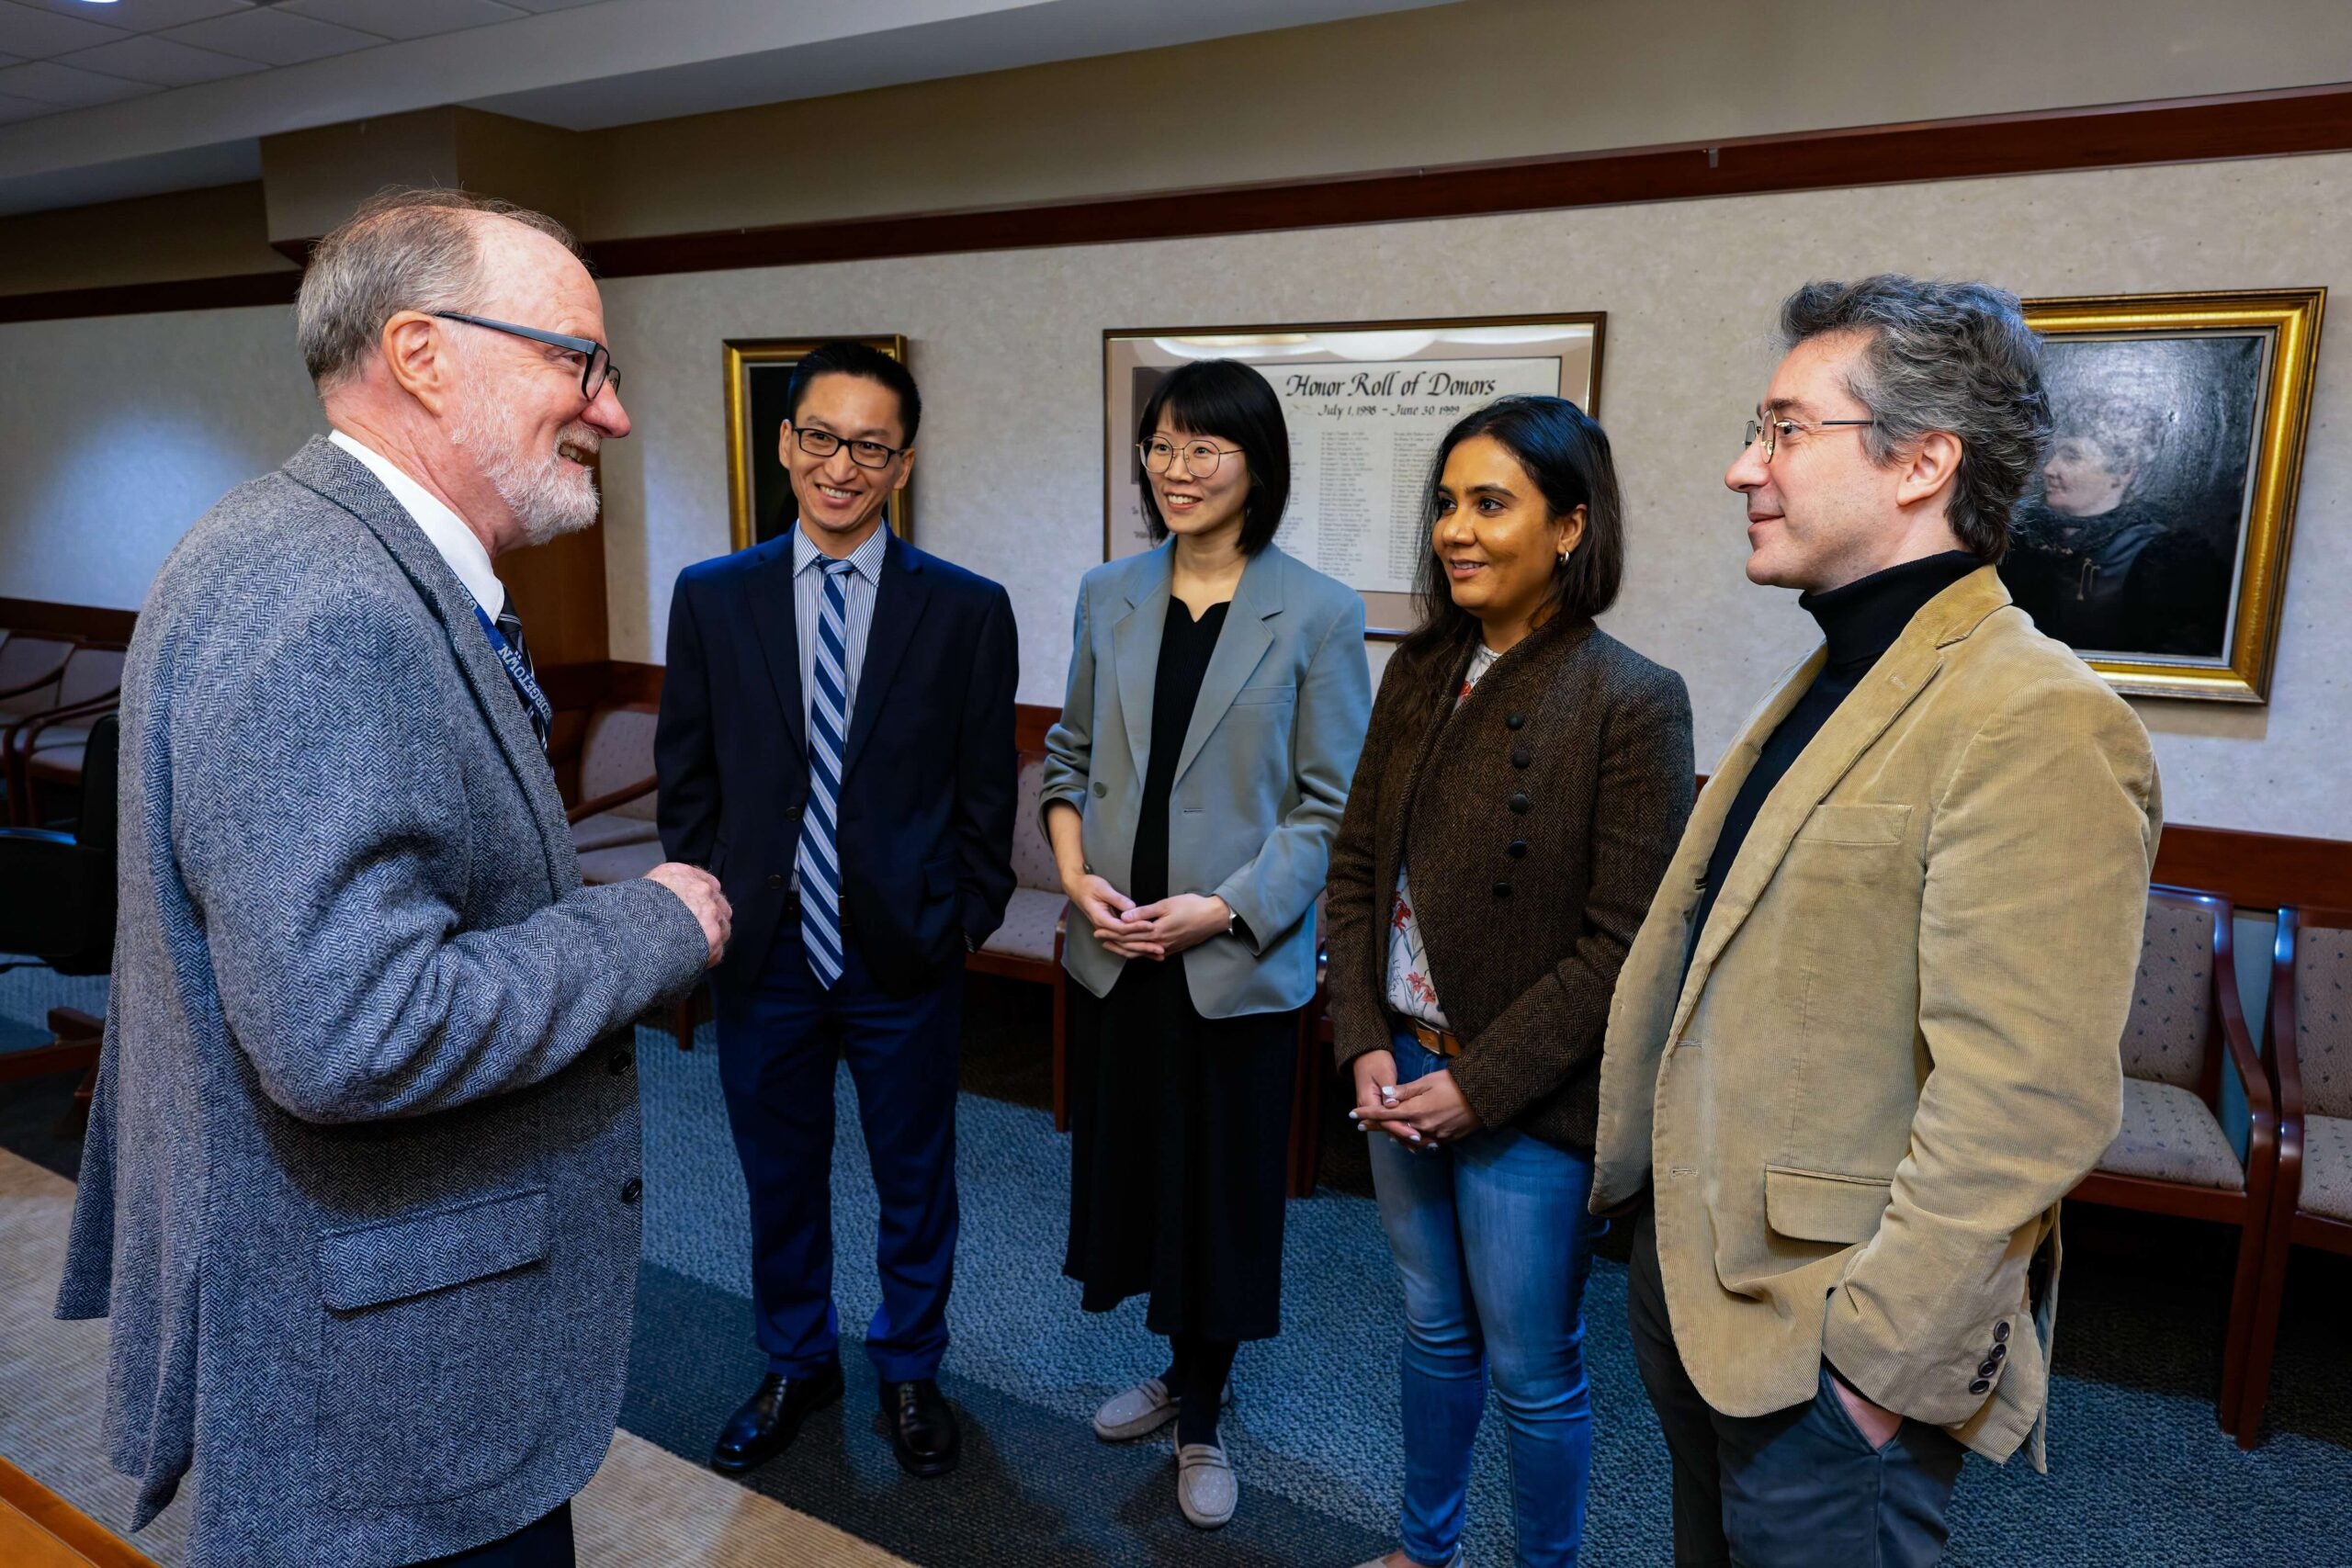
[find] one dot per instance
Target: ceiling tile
(22, 108)
(273, 37)
(38, 34)
(139, 15)
(47, 82)
(160, 60)
(406, 18)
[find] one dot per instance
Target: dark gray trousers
(1798, 1488)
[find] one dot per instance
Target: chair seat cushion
(2169, 1135)
(56, 737)
(2327, 1168)
(612, 830)
(1028, 928)
(621, 862)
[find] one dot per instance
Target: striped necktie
(819, 864)
(510, 626)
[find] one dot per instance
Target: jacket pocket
(1863, 824)
(1249, 694)
(429, 1373)
(1820, 1205)
(939, 876)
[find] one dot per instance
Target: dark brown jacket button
(1502, 889)
(621, 1061)
(1987, 1367)
(1518, 848)
(1979, 1386)
(1514, 721)
(1999, 1352)
(2000, 1333)
(1521, 757)
(632, 1190)
(1518, 803)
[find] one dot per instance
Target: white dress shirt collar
(867, 557)
(457, 543)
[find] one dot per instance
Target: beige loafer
(1206, 1489)
(1139, 1412)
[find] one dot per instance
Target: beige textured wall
(1481, 79)
(1009, 478)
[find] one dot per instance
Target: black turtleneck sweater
(1860, 622)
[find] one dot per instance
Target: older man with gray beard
(360, 1186)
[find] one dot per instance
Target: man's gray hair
(1951, 357)
(404, 250)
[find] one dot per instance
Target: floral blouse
(1411, 992)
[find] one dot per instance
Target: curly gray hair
(1956, 357)
(402, 250)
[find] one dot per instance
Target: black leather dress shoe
(923, 1428)
(767, 1422)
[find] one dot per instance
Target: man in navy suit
(836, 744)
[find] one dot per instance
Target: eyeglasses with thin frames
(1772, 429)
(1201, 457)
(597, 370)
(864, 454)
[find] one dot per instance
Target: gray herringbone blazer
(359, 1191)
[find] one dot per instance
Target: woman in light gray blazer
(1217, 699)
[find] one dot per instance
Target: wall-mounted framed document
(759, 492)
(1366, 403)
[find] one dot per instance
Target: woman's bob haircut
(1227, 401)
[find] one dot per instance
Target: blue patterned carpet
(2141, 1474)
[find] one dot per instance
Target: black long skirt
(1180, 1137)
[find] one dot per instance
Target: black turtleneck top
(1860, 622)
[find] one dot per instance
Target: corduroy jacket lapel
(323, 468)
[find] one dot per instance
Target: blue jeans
(1493, 1242)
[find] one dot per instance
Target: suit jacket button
(621, 1061)
(1101, 789)
(1999, 1352)
(632, 1190)
(2000, 1333)
(1987, 1368)
(1520, 757)
(1980, 1386)
(1514, 721)
(1518, 803)
(1502, 889)
(1517, 849)
(776, 879)
(792, 812)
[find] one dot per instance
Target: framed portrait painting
(759, 492)
(2155, 540)
(1366, 404)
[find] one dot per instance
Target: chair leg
(681, 1021)
(2259, 1335)
(2245, 1291)
(1062, 1049)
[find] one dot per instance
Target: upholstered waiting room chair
(614, 827)
(57, 908)
(46, 748)
(2173, 1156)
(1028, 945)
(2308, 1052)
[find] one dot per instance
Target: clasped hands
(1147, 931)
(1427, 1113)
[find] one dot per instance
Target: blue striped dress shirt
(808, 608)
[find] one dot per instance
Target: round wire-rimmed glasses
(1201, 457)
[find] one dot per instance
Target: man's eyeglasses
(1772, 429)
(864, 454)
(1201, 457)
(596, 369)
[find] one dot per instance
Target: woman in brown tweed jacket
(1523, 783)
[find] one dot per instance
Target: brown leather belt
(1436, 1042)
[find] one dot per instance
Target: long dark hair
(1567, 456)
(1226, 398)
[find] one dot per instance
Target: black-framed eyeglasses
(864, 454)
(597, 370)
(1772, 429)
(1201, 457)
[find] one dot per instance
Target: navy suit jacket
(927, 784)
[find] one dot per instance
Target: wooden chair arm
(621, 796)
(2261, 1104)
(47, 679)
(28, 729)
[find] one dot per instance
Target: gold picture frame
(757, 490)
(2156, 541)
(1389, 388)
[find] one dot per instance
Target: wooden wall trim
(2173, 131)
(67, 620)
(142, 299)
(2250, 124)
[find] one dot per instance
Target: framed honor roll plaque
(759, 492)
(1366, 403)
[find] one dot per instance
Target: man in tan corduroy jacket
(1867, 1038)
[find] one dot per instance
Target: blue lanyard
(542, 711)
